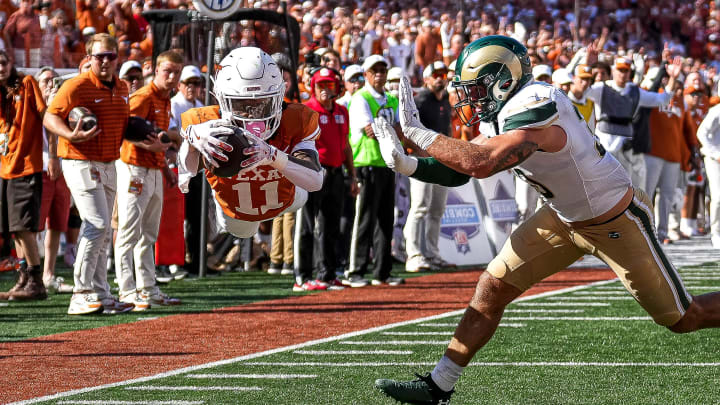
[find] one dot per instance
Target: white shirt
(178, 105)
(614, 143)
(360, 113)
(709, 134)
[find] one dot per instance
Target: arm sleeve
(430, 170)
(650, 99)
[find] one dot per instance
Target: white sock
(446, 373)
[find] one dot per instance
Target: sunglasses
(379, 70)
(357, 79)
(110, 56)
(195, 83)
(327, 85)
(439, 75)
(133, 78)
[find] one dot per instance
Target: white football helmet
(249, 87)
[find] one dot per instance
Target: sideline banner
(463, 239)
(501, 210)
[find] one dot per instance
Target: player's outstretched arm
(428, 170)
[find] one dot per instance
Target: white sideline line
(446, 325)
(600, 292)
(589, 297)
(111, 402)
(351, 352)
(611, 287)
(147, 318)
(418, 333)
(579, 318)
(564, 304)
(254, 376)
(396, 342)
(545, 311)
(190, 388)
(251, 356)
(701, 277)
(4, 304)
(704, 287)
(485, 364)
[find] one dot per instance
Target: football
(239, 142)
(84, 116)
(138, 129)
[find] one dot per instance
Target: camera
(57, 82)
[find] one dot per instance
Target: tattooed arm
(484, 157)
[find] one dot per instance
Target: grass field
(588, 345)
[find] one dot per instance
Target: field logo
(460, 222)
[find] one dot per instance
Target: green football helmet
(489, 71)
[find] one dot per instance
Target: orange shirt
(90, 17)
(263, 192)
(666, 131)
(147, 103)
(110, 106)
(25, 132)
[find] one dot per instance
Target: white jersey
(579, 182)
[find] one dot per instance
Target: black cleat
(421, 391)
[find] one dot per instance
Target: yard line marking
(701, 277)
(350, 352)
(611, 287)
(4, 304)
(579, 318)
(417, 333)
(485, 364)
(190, 388)
(590, 298)
(395, 342)
(704, 287)
(290, 348)
(445, 325)
(600, 293)
(254, 376)
(111, 402)
(542, 311)
(564, 304)
(147, 318)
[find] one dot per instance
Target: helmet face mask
(490, 71)
(249, 87)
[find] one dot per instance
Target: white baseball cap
(541, 70)
(561, 76)
(432, 68)
(352, 70)
(372, 60)
(131, 64)
(394, 74)
(190, 72)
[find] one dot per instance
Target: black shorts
(20, 201)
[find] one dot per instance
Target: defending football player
(591, 207)
(283, 163)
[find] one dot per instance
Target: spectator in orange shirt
(89, 165)
(140, 171)
(21, 138)
(23, 35)
(426, 46)
(89, 14)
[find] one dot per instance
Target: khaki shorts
(544, 245)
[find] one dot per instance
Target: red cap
(324, 75)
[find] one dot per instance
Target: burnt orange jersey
(24, 131)
(147, 103)
(261, 193)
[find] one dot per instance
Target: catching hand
(203, 138)
(261, 153)
(412, 128)
(391, 148)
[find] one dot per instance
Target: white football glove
(391, 148)
(412, 128)
(203, 138)
(262, 153)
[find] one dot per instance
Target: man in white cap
(131, 74)
(373, 225)
(427, 200)
(186, 98)
(393, 80)
(542, 73)
(616, 102)
(354, 80)
(562, 80)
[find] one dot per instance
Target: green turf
(626, 341)
(24, 320)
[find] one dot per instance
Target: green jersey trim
(430, 170)
(539, 116)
